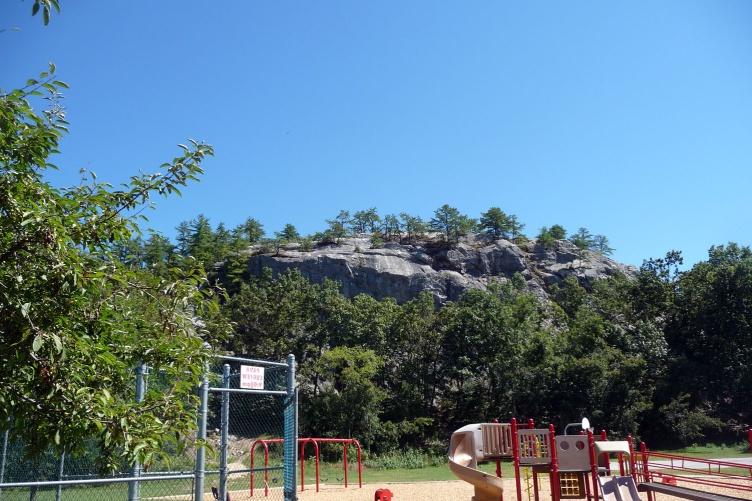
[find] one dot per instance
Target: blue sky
(633, 119)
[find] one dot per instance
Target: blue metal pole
(290, 434)
(225, 432)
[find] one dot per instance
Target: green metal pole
(198, 494)
(290, 433)
(225, 433)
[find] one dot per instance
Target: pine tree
(515, 227)
(558, 232)
(201, 244)
(601, 245)
(495, 222)
(413, 226)
(583, 239)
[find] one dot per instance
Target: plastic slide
(618, 489)
(465, 450)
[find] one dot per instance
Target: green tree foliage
(391, 227)
(712, 328)
(413, 226)
(251, 230)
(451, 223)
(347, 401)
(288, 234)
(545, 238)
(558, 232)
(583, 239)
(159, 254)
(495, 222)
(183, 238)
(45, 7)
(601, 245)
(202, 241)
(337, 227)
(75, 320)
(365, 221)
(515, 226)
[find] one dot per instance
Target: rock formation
(402, 271)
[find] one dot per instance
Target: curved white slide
(465, 449)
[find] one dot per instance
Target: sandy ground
(419, 491)
(439, 491)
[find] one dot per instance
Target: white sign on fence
(251, 377)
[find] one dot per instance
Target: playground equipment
(618, 488)
(302, 443)
(749, 439)
(480, 442)
(683, 476)
(579, 466)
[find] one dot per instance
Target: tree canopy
(75, 319)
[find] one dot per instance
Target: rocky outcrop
(402, 271)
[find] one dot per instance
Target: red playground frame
(302, 443)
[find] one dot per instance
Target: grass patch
(712, 451)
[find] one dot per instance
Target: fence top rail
(677, 471)
(87, 481)
(244, 390)
(252, 361)
(712, 481)
(699, 460)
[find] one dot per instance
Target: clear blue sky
(633, 119)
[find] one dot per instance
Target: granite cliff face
(446, 271)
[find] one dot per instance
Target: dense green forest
(663, 354)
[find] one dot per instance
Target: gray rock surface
(402, 271)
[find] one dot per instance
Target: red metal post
(645, 470)
(516, 459)
(344, 460)
(587, 487)
(253, 449)
(302, 464)
(266, 465)
(316, 452)
(266, 469)
(593, 464)
(360, 464)
(530, 423)
(604, 437)
(749, 438)
(555, 484)
(632, 461)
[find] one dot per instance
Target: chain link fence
(242, 401)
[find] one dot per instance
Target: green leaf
(37, 343)
(57, 437)
(35, 8)
(25, 309)
(46, 15)
(58, 343)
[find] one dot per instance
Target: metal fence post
(200, 472)
(134, 491)
(4, 453)
(61, 469)
(225, 431)
(290, 434)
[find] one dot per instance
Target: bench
(684, 492)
